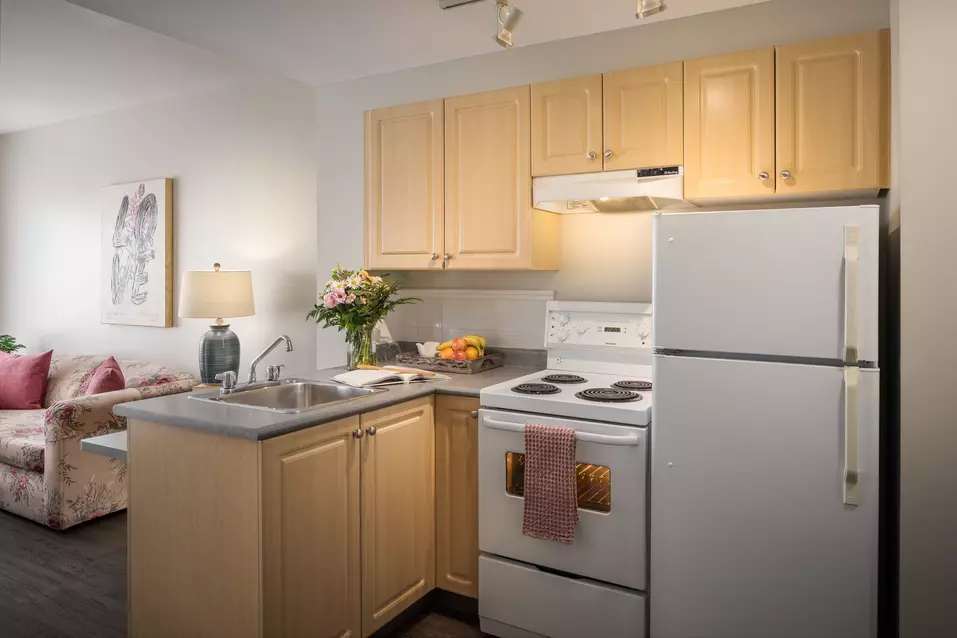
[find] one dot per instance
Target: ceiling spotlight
(508, 18)
(648, 8)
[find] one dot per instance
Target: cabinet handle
(785, 174)
(592, 155)
(434, 256)
(370, 430)
(474, 414)
(357, 433)
(763, 176)
(446, 258)
(608, 153)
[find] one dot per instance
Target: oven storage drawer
(518, 600)
(612, 489)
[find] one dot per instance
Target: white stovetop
(565, 403)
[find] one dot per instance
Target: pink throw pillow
(23, 379)
(108, 377)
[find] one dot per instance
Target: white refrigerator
(764, 440)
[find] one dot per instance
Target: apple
(458, 355)
(459, 344)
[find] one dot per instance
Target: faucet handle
(273, 372)
(228, 378)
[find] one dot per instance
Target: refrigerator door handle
(852, 268)
(852, 482)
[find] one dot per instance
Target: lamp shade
(214, 294)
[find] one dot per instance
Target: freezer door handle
(585, 437)
(852, 482)
(852, 269)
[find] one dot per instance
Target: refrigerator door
(787, 283)
(750, 533)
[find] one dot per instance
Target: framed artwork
(137, 254)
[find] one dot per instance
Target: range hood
(612, 191)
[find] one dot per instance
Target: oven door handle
(584, 437)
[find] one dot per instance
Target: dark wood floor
(72, 584)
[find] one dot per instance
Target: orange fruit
(447, 353)
(471, 353)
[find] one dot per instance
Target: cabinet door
(310, 528)
(729, 125)
(833, 111)
(643, 117)
(488, 190)
(567, 126)
(405, 198)
(398, 510)
(456, 495)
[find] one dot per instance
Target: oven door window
(593, 481)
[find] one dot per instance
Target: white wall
(606, 257)
(928, 233)
(243, 161)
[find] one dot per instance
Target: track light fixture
(508, 18)
(648, 8)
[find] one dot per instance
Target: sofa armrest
(165, 389)
(78, 485)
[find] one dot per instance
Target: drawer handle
(357, 433)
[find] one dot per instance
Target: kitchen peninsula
(332, 521)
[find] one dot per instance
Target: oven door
(612, 498)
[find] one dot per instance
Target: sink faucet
(262, 355)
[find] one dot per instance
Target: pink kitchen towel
(551, 504)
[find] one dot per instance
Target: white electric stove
(598, 383)
(599, 366)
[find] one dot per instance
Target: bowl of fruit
(462, 355)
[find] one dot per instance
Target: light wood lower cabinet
(456, 495)
(325, 532)
(398, 510)
(310, 532)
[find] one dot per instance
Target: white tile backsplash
(506, 318)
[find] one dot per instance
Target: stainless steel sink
(289, 396)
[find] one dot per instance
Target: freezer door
(750, 534)
(790, 283)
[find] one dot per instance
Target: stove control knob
(582, 329)
(563, 320)
(563, 336)
(644, 330)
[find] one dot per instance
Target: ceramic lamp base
(218, 352)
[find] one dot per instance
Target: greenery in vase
(9, 344)
(355, 301)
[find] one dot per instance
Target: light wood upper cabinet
(398, 510)
(729, 125)
(643, 117)
(489, 219)
(456, 495)
(310, 528)
(404, 177)
(832, 114)
(567, 126)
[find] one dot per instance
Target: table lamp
(214, 294)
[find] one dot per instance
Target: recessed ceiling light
(647, 8)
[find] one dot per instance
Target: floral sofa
(44, 475)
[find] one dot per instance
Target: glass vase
(361, 350)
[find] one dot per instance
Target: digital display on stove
(611, 329)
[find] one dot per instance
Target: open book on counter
(371, 378)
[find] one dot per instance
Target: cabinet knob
(785, 174)
(446, 258)
(370, 430)
(474, 414)
(608, 153)
(434, 256)
(357, 433)
(763, 176)
(592, 155)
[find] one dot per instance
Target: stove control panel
(580, 327)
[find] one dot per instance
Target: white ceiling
(59, 61)
(323, 41)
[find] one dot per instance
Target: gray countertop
(230, 420)
(112, 445)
